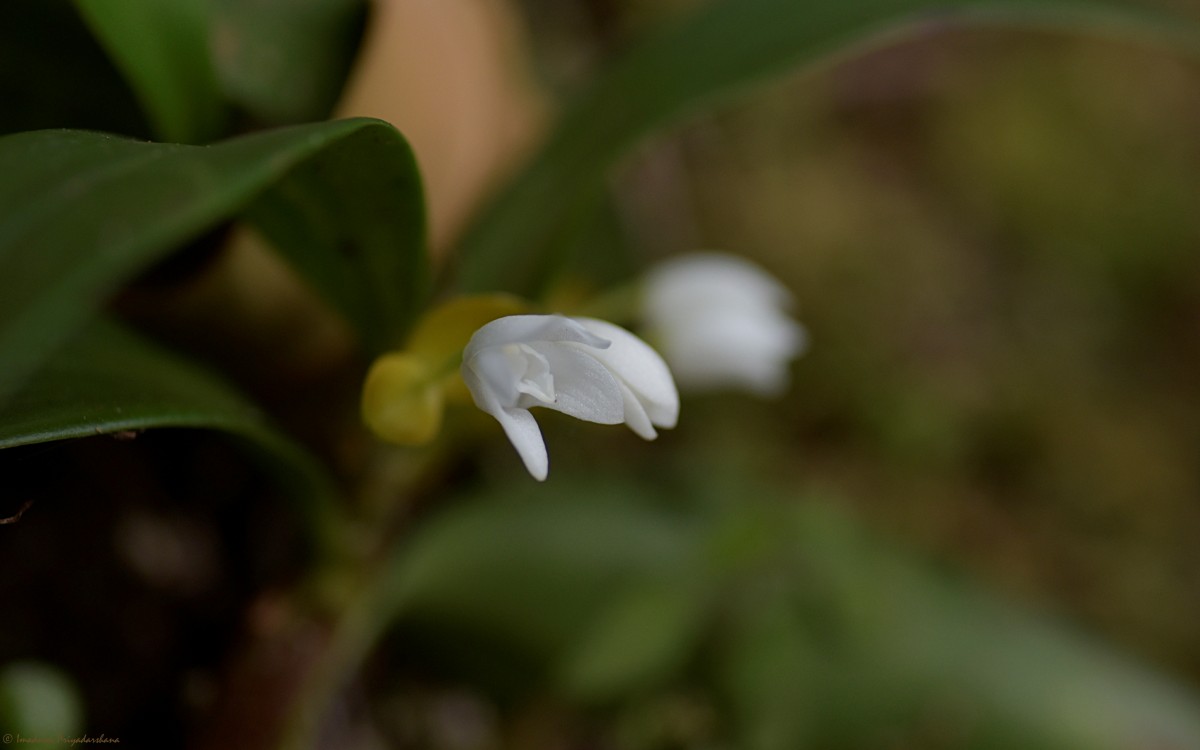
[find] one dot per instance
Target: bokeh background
(992, 237)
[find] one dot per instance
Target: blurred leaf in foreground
(81, 213)
(161, 46)
(107, 380)
(284, 61)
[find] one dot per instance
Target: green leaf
(351, 220)
(767, 671)
(498, 564)
(871, 641)
(529, 567)
(718, 50)
(109, 380)
(80, 213)
(162, 48)
(284, 61)
(639, 640)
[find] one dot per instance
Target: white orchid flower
(587, 368)
(721, 321)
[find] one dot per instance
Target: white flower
(583, 367)
(721, 321)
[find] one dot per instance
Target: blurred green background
(992, 237)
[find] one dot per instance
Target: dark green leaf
(284, 61)
(108, 380)
(162, 48)
(720, 49)
(352, 221)
(80, 213)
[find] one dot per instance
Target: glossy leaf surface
(108, 380)
(81, 213)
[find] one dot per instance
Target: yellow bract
(402, 399)
(405, 392)
(447, 328)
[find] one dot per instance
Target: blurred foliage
(284, 61)
(694, 61)
(39, 703)
(161, 47)
(130, 386)
(995, 231)
(54, 74)
(782, 624)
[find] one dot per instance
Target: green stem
(355, 633)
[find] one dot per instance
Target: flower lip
(535, 378)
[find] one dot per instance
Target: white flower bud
(721, 321)
(589, 369)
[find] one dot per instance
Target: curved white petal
(641, 369)
(635, 415)
(584, 388)
(523, 329)
(518, 424)
(525, 435)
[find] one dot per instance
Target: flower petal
(584, 388)
(640, 368)
(636, 416)
(722, 321)
(525, 329)
(519, 425)
(679, 286)
(715, 350)
(491, 372)
(525, 435)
